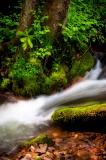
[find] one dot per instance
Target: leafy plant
(5, 83)
(26, 75)
(26, 39)
(84, 24)
(37, 37)
(8, 24)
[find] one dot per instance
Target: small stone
(51, 149)
(43, 155)
(50, 154)
(94, 157)
(83, 153)
(56, 153)
(32, 149)
(76, 135)
(65, 147)
(27, 157)
(42, 148)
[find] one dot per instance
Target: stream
(21, 120)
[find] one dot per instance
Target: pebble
(72, 146)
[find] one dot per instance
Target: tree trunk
(26, 17)
(57, 11)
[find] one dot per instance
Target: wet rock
(72, 146)
(83, 153)
(32, 149)
(42, 148)
(56, 153)
(51, 149)
(27, 157)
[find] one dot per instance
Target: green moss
(56, 81)
(83, 113)
(27, 77)
(38, 158)
(81, 65)
(41, 139)
(5, 83)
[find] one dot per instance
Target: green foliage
(86, 20)
(26, 39)
(37, 158)
(7, 27)
(5, 83)
(42, 139)
(37, 37)
(56, 81)
(40, 62)
(8, 24)
(81, 65)
(27, 76)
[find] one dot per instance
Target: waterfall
(22, 119)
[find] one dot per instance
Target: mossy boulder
(93, 115)
(81, 65)
(41, 139)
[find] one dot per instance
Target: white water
(22, 120)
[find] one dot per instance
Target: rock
(44, 155)
(83, 153)
(51, 149)
(56, 153)
(42, 148)
(32, 149)
(27, 157)
(49, 154)
(72, 146)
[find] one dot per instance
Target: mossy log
(87, 117)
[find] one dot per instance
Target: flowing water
(24, 119)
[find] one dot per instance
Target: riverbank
(66, 146)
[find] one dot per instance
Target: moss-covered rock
(73, 117)
(41, 139)
(81, 65)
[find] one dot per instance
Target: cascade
(21, 120)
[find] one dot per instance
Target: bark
(57, 11)
(25, 21)
(26, 17)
